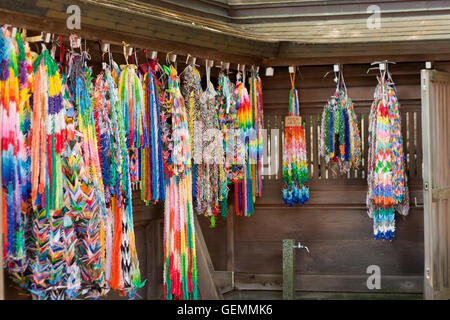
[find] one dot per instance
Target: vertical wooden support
(206, 284)
(436, 176)
(155, 265)
(230, 239)
(288, 269)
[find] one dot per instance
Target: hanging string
(295, 166)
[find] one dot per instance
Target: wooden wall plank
(333, 257)
(314, 224)
(330, 283)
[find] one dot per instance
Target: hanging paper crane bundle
(340, 141)
(180, 268)
(295, 166)
(15, 114)
(132, 101)
(388, 190)
(227, 118)
(152, 171)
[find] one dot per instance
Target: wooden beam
(274, 62)
(206, 283)
(58, 27)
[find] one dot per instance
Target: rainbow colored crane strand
(151, 157)
(295, 166)
(132, 102)
(94, 215)
(121, 273)
(48, 142)
(243, 189)
(386, 178)
(256, 105)
(180, 267)
(15, 114)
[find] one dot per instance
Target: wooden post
(288, 269)
(206, 284)
(230, 239)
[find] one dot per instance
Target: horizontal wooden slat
(346, 191)
(330, 283)
(316, 295)
(313, 224)
(333, 257)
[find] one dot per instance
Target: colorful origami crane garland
(227, 117)
(122, 265)
(340, 141)
(15, 116)
(66, 189)
(295, 164)
(152, 171)
(72, 148)
(256, 149)
(132, 101)
(180, 266)
(388, 191)
(249, 119)
(208, 168)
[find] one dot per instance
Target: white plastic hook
(172, 57)
(47, 37)
(154, 55)
(129, 51)
(105, 47)
(269, 72)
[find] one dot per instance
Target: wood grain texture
(329, 283)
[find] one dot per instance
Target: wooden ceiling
(273, 32)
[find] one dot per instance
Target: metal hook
(415, 203)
